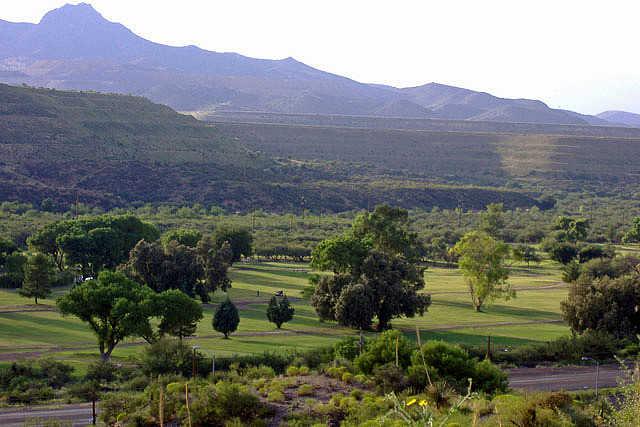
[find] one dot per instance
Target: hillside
(74, 47)
(622, 117)
(574, 162)
(116, 150)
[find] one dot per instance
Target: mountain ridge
(74, 47)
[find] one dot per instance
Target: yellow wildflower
(423, 403)
(411, 402)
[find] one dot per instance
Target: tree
(633, 234)
(93, 243)
(179, 314)
(563, 252)
(184, 236)
(165, 267)
(38, 274)
(375, 272)
(482, 261)
(240, 240)
(526, 253)
(604, 304)
(114, 306)
(341, 254)
(7, 247)
(386, 230)
(226, 318)
(215, 261)
(279, 310)
(492, 220)
(571, 229)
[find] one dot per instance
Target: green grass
(531, 317)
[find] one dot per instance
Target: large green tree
(492, 220)
(375, 268)
(179, 314)
(226, 318)
(160, 267)
(482, 261)
(604, 304)
(215, 261)
(240, 239)
(93, 243)
(114, 306)
(571, 229)
(279, 310)
(38, 275)
(184, 236)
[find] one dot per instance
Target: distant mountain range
(74, 47)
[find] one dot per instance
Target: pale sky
(581, 55)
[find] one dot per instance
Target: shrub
(292, 371)
(167, 356)
(388, 378)
(347, 348)
(305, 390)
(382, 351)
(275, 396)
(259, 372)
(490, 379)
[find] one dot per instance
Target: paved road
(565, 378)
(78, 414)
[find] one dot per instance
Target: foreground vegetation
(170, 304)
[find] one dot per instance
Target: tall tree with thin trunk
(482, 261)
(38, 274)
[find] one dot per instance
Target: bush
(33, 381)
(388, 378)
(490, 379)
(259, 372)
(305, 390)
(167, 356)
(292, 371)
(382, 351)
(347, 348)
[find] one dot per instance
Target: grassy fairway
(29, 330)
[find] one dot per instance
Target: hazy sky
(577, 54)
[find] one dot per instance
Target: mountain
(622, 117)
(74, 47)
(113, 150)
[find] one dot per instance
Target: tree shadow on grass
(520, 313)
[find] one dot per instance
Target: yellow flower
(411, 402)
(423, 403)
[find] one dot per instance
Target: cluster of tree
(283, 252)
(195, 271)
(604, 304)
(11, 264)
(92, 244)
(375, 272)
(116, 307)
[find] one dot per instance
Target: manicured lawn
(531, 316)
